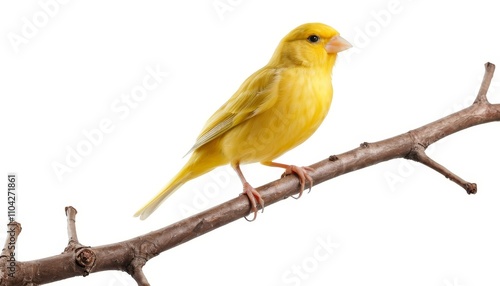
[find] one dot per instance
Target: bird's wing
(254, 96)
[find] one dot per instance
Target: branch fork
(418, 154)
(84, 256)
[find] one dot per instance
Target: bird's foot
(254, 198)
(303, 176)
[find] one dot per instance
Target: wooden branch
(135, 270)
(72, 236)
(485, 85)
(131, 255)
(13, 230)
(418, 154)
(8, 256)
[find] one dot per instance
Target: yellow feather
(274, 110)
(202, 161)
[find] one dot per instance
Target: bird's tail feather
(154, 203)
(195, 167)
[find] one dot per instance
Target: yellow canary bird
(274, 110)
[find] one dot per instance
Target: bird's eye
(313, 38)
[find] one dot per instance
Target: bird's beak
(337, 44)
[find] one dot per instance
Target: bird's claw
(254, 198)
(303, 176)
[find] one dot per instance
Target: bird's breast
(304, 98)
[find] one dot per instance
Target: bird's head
(312, 45)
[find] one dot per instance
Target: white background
(413, 62)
